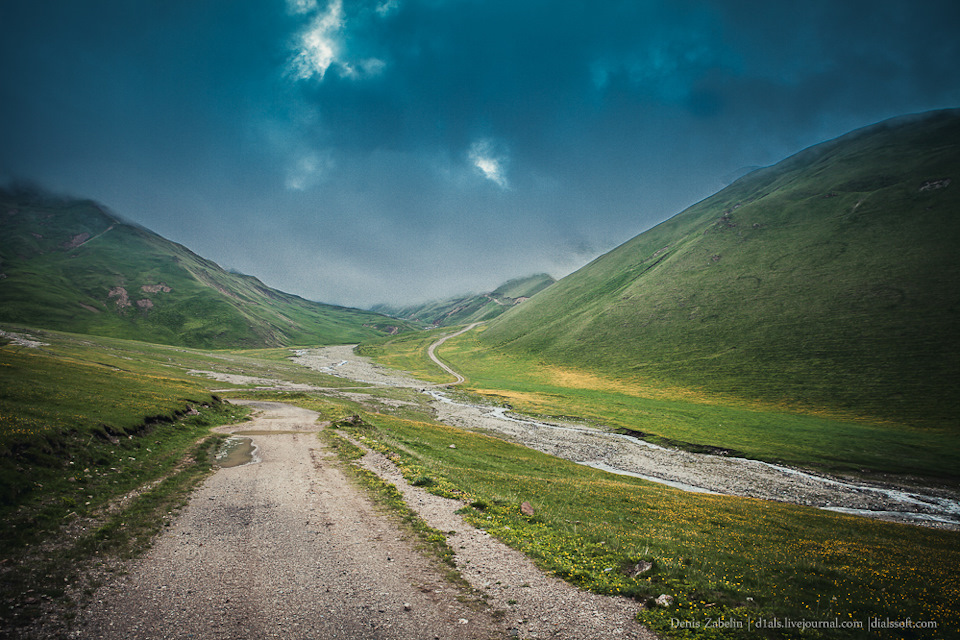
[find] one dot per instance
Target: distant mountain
(471, 308)
(71, 265)
(830, 280)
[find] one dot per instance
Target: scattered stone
(75, 241)
(931, 185)
(527, 509)
(407, 606)
(639, 569)
(453, 446)
(665, 601)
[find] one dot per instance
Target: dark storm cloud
(355, 151)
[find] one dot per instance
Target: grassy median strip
(389, 497)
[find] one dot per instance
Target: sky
(357, 152)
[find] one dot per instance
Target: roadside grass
(399, 401)
(176, 363)
(736, 560)
(343, 415)
(46, 579)
(93, 459)
(687, 417)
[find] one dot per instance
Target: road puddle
(236, 452)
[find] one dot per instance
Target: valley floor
(689, 471)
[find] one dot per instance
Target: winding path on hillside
(432, 352)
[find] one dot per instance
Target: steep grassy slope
(71, 265)
(471, 308)
(828, 281)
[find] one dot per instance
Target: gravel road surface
(283, 548)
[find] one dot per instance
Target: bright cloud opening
(317, 47)
(320, 46)
(489, 161)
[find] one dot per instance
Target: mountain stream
(626, 455)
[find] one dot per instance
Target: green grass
(74, 424)
(81, 428)
(688, 418)
(829, 282)
(176, 363)
(718, 556)
(408, 352)
(735, 558)
(64, 262)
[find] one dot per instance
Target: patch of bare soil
(22, 339)
(342, 362)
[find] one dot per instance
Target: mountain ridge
(827, 280)
(466, 309)
(73, 265)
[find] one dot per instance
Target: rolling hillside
(471, 308)
(71, 265)
(830, 281)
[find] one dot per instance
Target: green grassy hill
(830, 281)
(70, 265)
(471, 308)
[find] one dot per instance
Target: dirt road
(287, 547)
(284, 548)
(432, 353)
